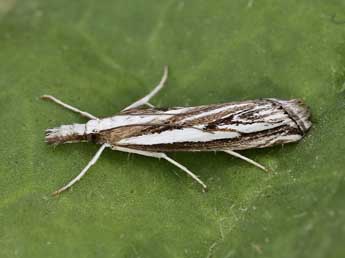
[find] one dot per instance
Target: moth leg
(83, 172)
(237, 155)
(69, 107)
(147, 98)
(161, 155)
(149, 105)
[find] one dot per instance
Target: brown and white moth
(152, 131)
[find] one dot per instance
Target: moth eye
(93, 137)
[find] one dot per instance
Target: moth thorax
(66, 134)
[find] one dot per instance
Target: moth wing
(236, 125)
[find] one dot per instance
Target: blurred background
(101, 56)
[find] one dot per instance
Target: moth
(152, 132)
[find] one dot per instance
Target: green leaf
(101, 56)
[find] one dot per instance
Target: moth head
(66, 134)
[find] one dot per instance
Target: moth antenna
(69, 107)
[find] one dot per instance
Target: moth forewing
(153, 131)
(234, 126)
